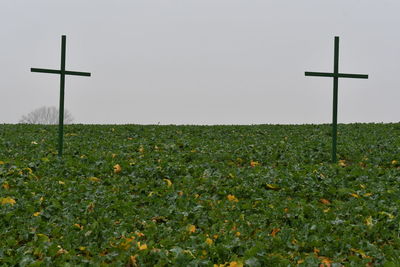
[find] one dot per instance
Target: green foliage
(199, 195)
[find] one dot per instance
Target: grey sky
(201, 61)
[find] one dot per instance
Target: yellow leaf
(82, 248)
(94, 179)
(2, 162)
(113, 155)
(286, 210)
(36, 213)
(61, 251)
(6, 186)
(141, 149)
(168, 181)
(367, 194)
(326, 261)
(34, 143)
(141, 247)
(300, 261)
(191, 228)
(355, 195)
(189, 252)
(7, 200)
(359, 251)
(391, 216)
(78, 226)
(117, 168)
(139, 234)
(45, 160)
(43, 237)
(127, 243)
(232, 198)
(235, 264)
(394, 162)
(273, 187)
(342, 163)
(368, 221)
(275, 231)
(254, 163)
(90, 207)
(61, 182)
(133, 260)
(209, 241)
(237, 234)
(324, 201)
(129, 239)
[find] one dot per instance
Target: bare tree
(46, 115)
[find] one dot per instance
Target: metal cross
(336, 75)
(62, 73)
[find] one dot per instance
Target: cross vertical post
(62, 93)
(62, 73)
(335, 99)
(335, 75)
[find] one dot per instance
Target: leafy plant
(200, 196)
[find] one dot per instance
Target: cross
(62, 73)
(336, 75)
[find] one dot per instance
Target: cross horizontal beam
(339, 75)
(67, 72)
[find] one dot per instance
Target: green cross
(62, 73)
(336, 75)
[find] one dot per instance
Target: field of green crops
(200, 196)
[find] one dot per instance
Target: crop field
(262, 195)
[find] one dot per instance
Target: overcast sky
(201, 61)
